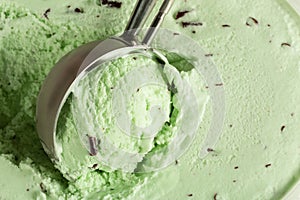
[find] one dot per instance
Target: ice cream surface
(255, 45)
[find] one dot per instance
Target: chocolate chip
(176, 162)
(112, 4)
(292, 114)
(285, 44)
(46, 13)
(268, 25)
(95, 166)
(194, 32)
(230, 125)
(69, 6)
(219, 84)
(176, 34)
(43, 188)
(225, 25)
(181, 14)
(190, 195)
(251, 20)
(234, 181)
(93, 145)
(209, 55)
(215, 196)
(137, 90)
(282, 128)
(27, 189)
(172, 88)
(210, 150)
(236, 167)
(186, 24)
(78, 10)
(268, 165)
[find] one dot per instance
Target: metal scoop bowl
(76, 64)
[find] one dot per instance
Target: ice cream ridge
(254, 45)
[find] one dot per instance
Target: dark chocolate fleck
(210, 150)
(190, 195)
(225, 25)
(175, 33)
(176, 162)
(234, 181)
(43, 188)
(215, 196)
(181, 14)
(111, 88)
(186, 24)
(236, 167)
(285, 44)
(137, 90)
(98, 16)
(93, 145)
(282, 128)
(78, 10)
(27, 189)
(269, 25)
(69, 6)
(219, 84)
(194, 32)
(230, 125)
(46, 13)
(251, 20)
(268, 165)
(112, 4)
(292, 114)
(95, 166)
(134, 58)
(209, 55)
(172, 88)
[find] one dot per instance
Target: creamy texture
(255, 45)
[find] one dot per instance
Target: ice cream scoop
(79, 62)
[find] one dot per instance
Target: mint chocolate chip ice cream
(255, 46)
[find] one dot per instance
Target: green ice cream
(255, 45)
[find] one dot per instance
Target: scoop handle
(156, 23)
(141, 12)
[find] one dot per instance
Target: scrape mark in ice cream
(93, 145)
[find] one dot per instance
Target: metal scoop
(76, 64)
